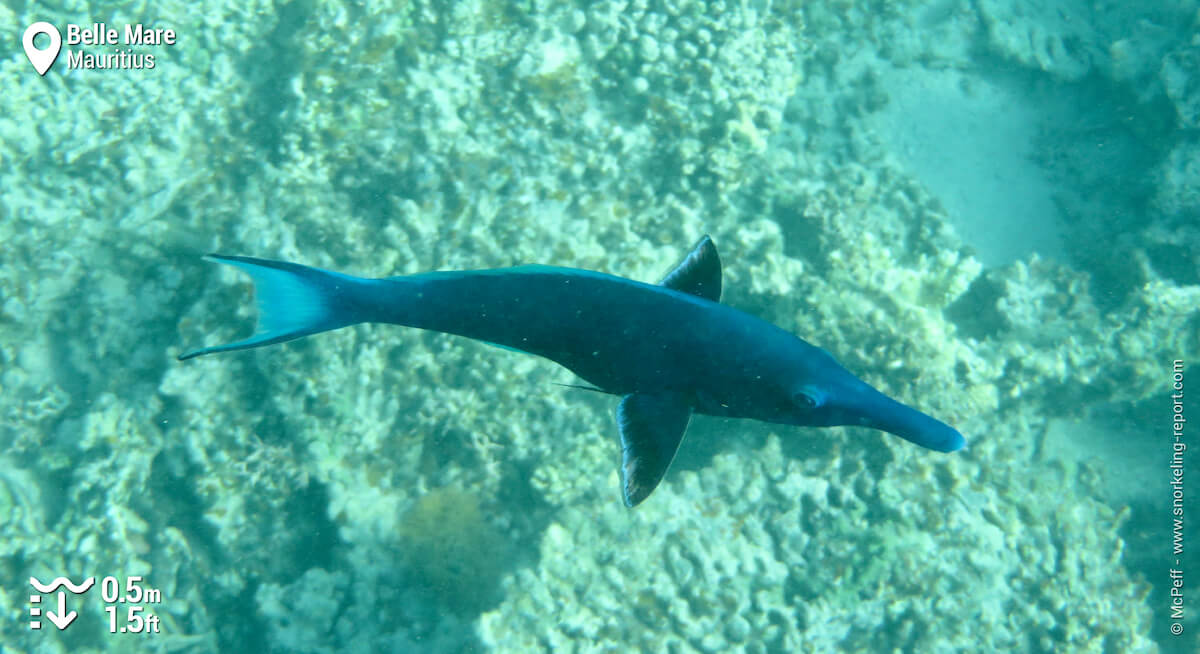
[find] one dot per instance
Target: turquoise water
(988, 209)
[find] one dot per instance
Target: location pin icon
(42, 60)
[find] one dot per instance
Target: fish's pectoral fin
(699, 273)
(651, 427)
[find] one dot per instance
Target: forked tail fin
(293, 301)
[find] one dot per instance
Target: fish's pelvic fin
(699, 273)
(293, 301)
(584, 387)
(651, 427)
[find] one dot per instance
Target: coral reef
(1057, 37)
(761, 552)
(1179, 80)
(382, 489)
(451, 550)
(1072, 39)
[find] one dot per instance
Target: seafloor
(989, 209)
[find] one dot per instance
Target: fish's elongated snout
(881, 412)
(927, 432)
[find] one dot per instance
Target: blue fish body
(669, 350)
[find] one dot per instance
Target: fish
(668, 350)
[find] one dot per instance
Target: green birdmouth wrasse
(667, 350)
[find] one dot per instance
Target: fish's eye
(805, 400)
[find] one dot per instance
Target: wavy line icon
(62, 581)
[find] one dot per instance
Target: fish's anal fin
(699, 273)
(651, 429)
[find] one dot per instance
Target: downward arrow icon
(62, 619)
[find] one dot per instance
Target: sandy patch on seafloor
(970, 142)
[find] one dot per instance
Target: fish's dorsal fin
(699, 273)
(651, 428)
